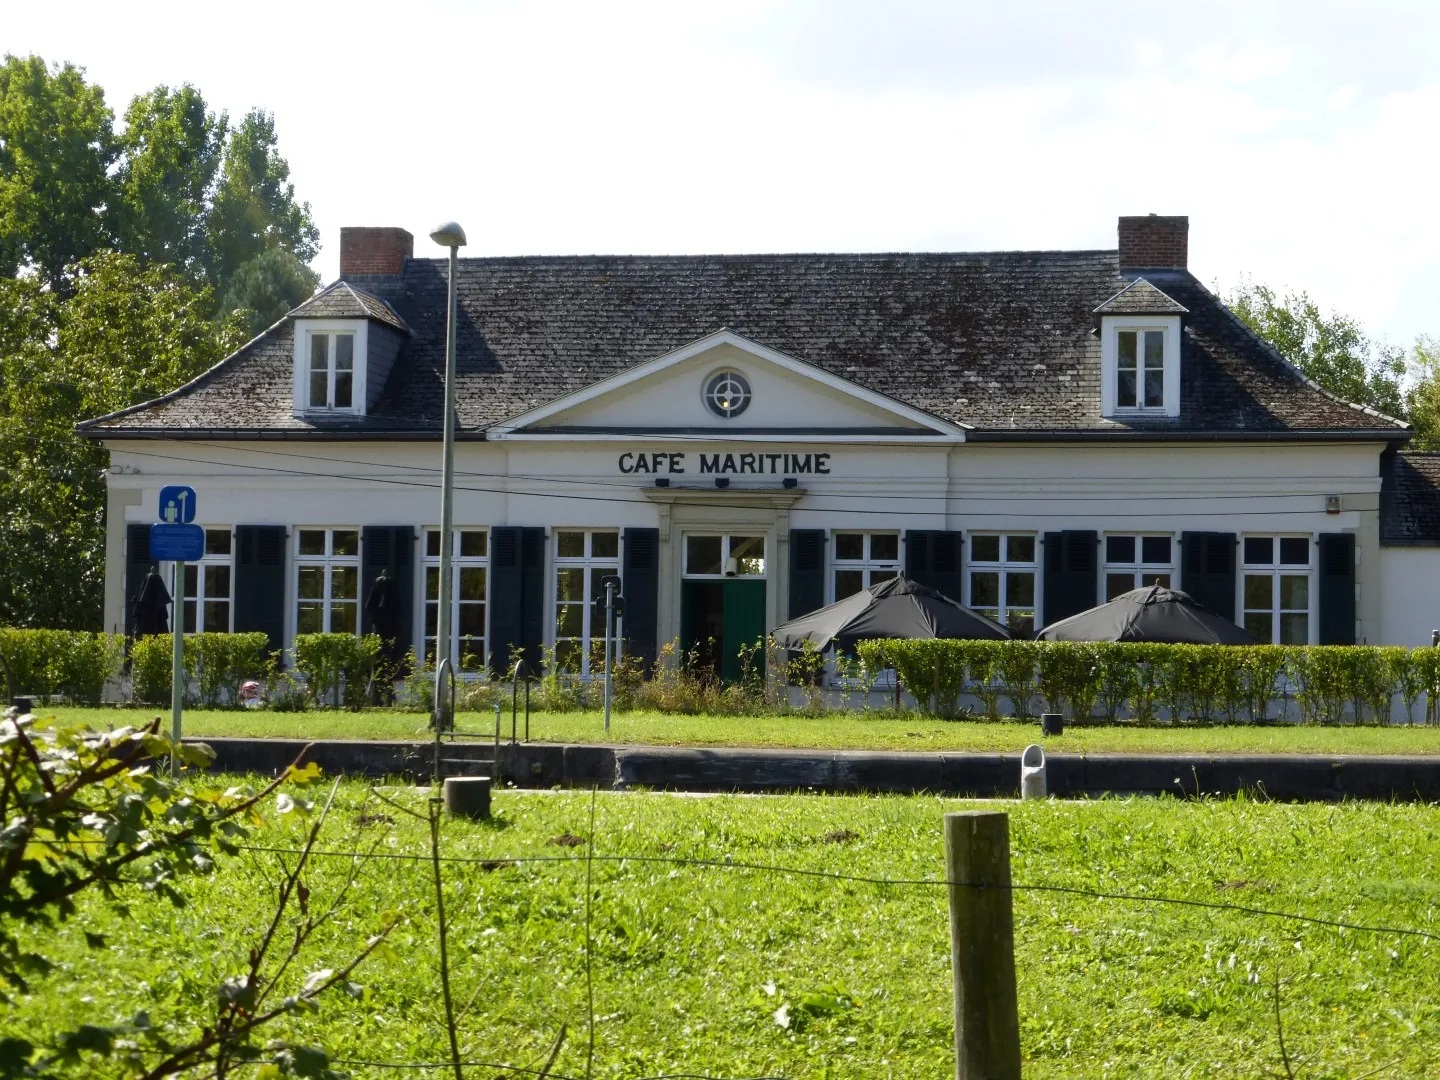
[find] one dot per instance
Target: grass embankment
(837, 731)
(691, 963)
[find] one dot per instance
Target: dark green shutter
(137, 565)
(390, 547)
(934, 558)
(260, 582)
(1071, 578)
(1337, 588)
(517, 596)
(640, 582)
(807, 571)
(1207, 570)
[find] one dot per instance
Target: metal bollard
(1032, 772)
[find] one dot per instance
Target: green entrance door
(744, 625)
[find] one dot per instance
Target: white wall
(1410, 594)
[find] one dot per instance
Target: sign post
(612, 606)
(176, 539)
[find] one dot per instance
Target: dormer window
(332, 371)
(330, 368)
(1140, 366)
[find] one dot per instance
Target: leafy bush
(75, 664)
(338, 668)
(152, 661)
(224, 661)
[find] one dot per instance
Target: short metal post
(982, 946)
(1430, 702)
(609, 640)
(177, 662)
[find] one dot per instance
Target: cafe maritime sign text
(737, 464)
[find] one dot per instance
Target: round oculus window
(727, 393)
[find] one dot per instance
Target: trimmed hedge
(339, 669)
(75, 664)
(215, 665)
(1330, 684)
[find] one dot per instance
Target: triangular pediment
(670, 395)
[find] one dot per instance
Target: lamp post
(452, 236)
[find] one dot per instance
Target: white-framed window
(330, 365)
(860, 560)
(583, 559)
(327, 580)
(208, 585)
(1275, 588)
(1140, 365)
(1133, 561)
(725, 556)
(1001, 579)
(469, 590)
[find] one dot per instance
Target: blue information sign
(177, 543)
(177, 504)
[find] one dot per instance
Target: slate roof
(1140, 298)
(1003, 342)
(343, 301)
(1410, 499)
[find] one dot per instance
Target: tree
(128, 333)
(1422, 401)
(266, 287)
(1332, 349)
(56, 149)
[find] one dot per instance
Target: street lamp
(452, 236)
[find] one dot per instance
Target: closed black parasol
(1149, 614)
(150, 606)
(898, 608)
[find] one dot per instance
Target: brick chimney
(374, 251)
(1154, 243)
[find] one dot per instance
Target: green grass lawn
(840, 731)
(691, 964)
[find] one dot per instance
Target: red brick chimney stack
(1154, 243)
(374, 251)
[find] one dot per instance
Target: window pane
(567, 655)
(344, 352)
(1155, 549)
(432, 619)
(1019, 590)
(345, 542)
(1125, 389)
(472, 583)
(1295, 592)
(189, 616)
(1259, 593)
(702, 555)
(472, 620)
(747, 547)
(1295, 550)
(344, 582)
(312, 541)
(1020, 549)
(432, 583)
(877, 576)
(569, 620)
(310, 582)
(989, 613)
(848, 583)
(885, 547)
(1261, 625)
(472, 653)
(1120, 549)
(1116, 584)
(217, 616)
(1154, 388)
(1294, 629)
(985, 589)
(432, 543)
(597, 627)
(473, 543)
(1021, 623)
(1259, 550)
(217, 541)
(570, 545)
(605, 545)
(308, 618)
(570, 583)
(217, 582)
(1163, 580)
(342, 618)
(319, 390)
(191, 576)
(1154, 348)
(319, 352)
(849, 546)
(344, 381)
(1126, 351)
(984, 549)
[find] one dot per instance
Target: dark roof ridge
(779, 255)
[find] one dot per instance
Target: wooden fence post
(982, 946)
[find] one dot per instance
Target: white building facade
(744, 439)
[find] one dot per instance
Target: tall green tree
(1422, 400)
(128, 332)
(1333, 349)
(57, 145)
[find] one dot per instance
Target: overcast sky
(1299, 137)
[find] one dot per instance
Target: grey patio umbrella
(898, 608)
(1149, 614)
